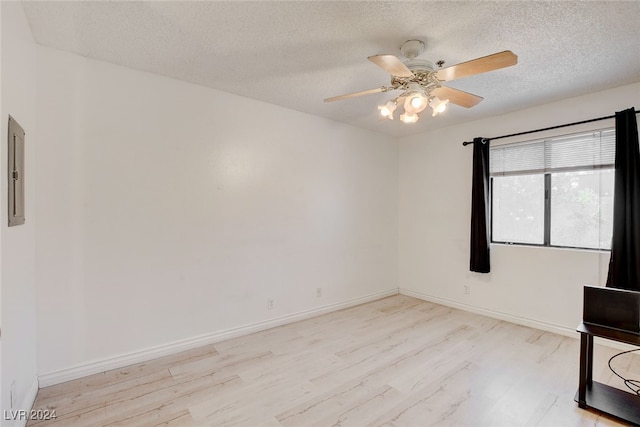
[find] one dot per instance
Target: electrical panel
(16, 173)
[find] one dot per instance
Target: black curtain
(479, 257)
(624, 265)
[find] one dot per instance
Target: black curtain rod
(549, 128)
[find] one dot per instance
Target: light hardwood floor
(396, 361)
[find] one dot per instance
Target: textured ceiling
(295, 54)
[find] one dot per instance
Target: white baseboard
(25, 406)
(531, 323)
(127, 359)
(123, 360)
(30, 397)
(536, 324)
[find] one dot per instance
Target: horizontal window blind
(589, 150)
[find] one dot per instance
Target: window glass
(582, 209)
(518, 209)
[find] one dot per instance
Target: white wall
(169, 211)
(17, 248)
(537, 286)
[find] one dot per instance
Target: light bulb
(438, 105)
(416, 100)
(387, 109)
(409, 118)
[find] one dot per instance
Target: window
(554, 192)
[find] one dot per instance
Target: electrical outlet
(318, 292)
(467, 289)
(270, 304)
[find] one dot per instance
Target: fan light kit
(421, 85)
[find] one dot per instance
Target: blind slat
(580, 151)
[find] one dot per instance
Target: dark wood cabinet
(602, 397)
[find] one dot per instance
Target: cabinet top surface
(609, 333)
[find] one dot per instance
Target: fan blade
(456, 96)
(477, 66)
(391, 65)
(353, 95)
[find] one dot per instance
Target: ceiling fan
(421, 83)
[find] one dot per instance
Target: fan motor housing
(419, 65)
